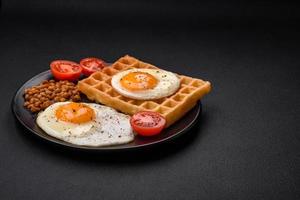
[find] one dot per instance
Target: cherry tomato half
(147, 123)
(91, 65)
(65, 70)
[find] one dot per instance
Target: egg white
(108, 128)
(168, 84)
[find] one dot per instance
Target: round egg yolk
(136, 81)
(75, 113)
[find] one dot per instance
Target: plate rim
(62, 143)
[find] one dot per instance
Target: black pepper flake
(119, 136)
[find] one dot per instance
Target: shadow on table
(147, 154)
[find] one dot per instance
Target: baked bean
(76, 97)
(65, 95)
(57, 90)
(34, 109)
(48, 92)
(46, 104)
(52, 96)
(57, 99)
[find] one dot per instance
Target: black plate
(27, 119)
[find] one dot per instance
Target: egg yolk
(136, 81)
(75, 113)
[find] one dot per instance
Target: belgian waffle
(98, 87)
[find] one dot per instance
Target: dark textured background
(246, 144)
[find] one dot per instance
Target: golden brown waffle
(98, 87)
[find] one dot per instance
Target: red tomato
(65, 70)
(91, 65)
(147, 123)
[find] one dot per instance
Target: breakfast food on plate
(98, 87)
(147, 123)
(145, 84)
(65, 70)
(91, 65)
(86, 124)
(48, 92)
(154, 98)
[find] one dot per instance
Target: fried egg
(86, 124)
(145, 84)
